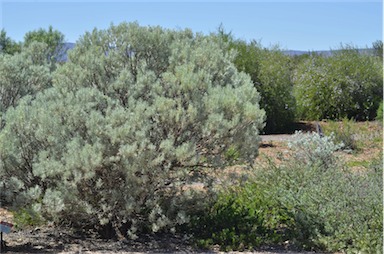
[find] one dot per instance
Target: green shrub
(312, 206)
(379, 114)
(344, 132)
(134, 118)
(53, 39)
(243, 218)
(27, 217)
(345, 84)
(276, 89)
(232, 155)
(271, 72)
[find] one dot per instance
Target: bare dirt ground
(63, 241)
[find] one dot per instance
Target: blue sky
(297, 25)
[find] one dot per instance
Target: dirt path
(277, 137)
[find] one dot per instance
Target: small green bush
(243, 218)
(27, 217)
(344, 132)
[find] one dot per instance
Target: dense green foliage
(344, 132)
(54, 40)
(302, 202)
(379, 114)
(271, 72)
(346, 84)
(378, 48)
(242, 218)
(276, 86)
(7, 45)
(133, 119)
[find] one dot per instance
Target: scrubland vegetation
(132, 135)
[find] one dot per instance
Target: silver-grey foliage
(313, 149)
(21, 74)
(134, 117)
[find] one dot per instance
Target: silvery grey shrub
(313, 149)
(133, 119)
(21, 74)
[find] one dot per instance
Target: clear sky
(296, 25)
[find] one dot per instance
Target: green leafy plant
(53, 39)
(379, 114)
(27, 217)
(232, 154)
(345, 84)
(7, 45)
(271, 72)
(243, 218)
(345, 132)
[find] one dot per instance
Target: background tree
(378, 48)
(271, 72)
(345, 84)
(276, 89)
(7, 45)
(119, 140)
(53, 38)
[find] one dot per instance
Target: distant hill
(302, 52)
(71, 45)
(67, 46)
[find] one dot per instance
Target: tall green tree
(134, 119)
(53, 38)
(7, 45)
